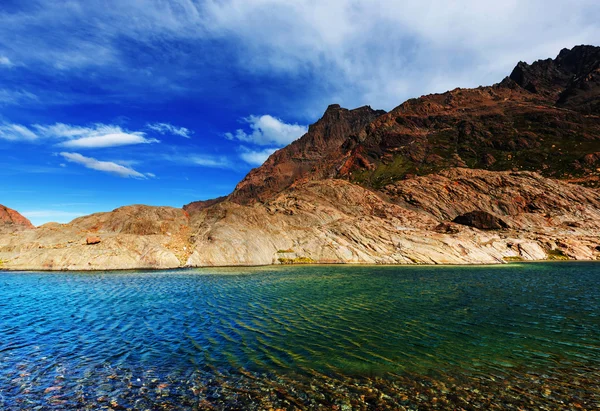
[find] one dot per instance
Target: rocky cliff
(508, 172)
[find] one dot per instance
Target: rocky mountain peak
(305, 157)
(565, 80)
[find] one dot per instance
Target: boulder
(93, 240)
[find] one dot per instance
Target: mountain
(11, 220)
(507, 172)
(544, 117)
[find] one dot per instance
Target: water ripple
(63, 335)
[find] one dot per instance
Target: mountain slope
(332, 221)
(503, 127)
(11, 220)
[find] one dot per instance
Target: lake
(303, 337)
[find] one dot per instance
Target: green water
(114, 330)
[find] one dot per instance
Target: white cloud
(357, 51)
(166, 128)
(255, 157)
(5, 61)
(209, 161)
(268, 130)
(16, 97)
(127, 163)
(107, 140)
(16, 132)
(383, 53)
(105, 166)
(202, 160)
(96, 136)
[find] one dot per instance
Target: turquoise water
(302, 337)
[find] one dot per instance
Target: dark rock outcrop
(571, 80)
(481, 220)
(196, 206)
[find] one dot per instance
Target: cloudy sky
(105, 103)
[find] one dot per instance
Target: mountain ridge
(500, 128)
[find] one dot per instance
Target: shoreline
(154, 269)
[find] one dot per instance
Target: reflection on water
(303, 337)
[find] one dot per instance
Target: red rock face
(11, 218)
(196, 206)
(308, 157)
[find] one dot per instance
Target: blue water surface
(63, 329)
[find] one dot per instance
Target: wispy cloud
(382, 55)
(255, 157)
(5, 61)
(356, 53)
(209, 161)
(268, 130)
(105, 166)
(95, 136)
(127, 163)
(16, 132)
(70, 136)
(16, 97)
(167, 128)
(201, 160)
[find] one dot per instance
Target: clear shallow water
(303, 337)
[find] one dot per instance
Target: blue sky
(109, 103)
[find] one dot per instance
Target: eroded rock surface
(127, 238)
(333, 221)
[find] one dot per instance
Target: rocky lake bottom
(517, 336)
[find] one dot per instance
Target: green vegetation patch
(289, 250)
(557, 254)
(385, 173)
(513, 258)
(297, 260)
